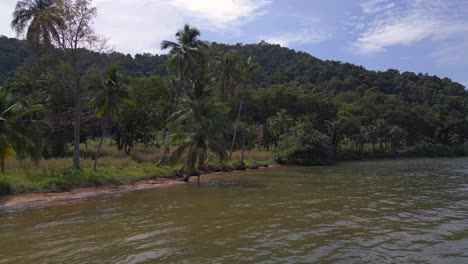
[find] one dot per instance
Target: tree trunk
(2, 164)
(167, 133)
(243, 148)
(166, 149)
(235, 126)
(76, 127)
(98, 151)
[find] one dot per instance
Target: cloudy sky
(428, 36)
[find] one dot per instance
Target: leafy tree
(17, 131)
(76, 42)
(397, 136)
(304, 146)
(140, 122)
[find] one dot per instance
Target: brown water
(413, 211)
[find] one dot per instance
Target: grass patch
(114, 168)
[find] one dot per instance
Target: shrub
(5, 187)
(304, 145)
(425, 149)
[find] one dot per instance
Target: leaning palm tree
(18, 135)
(38, 19)
(107, 103)
(203, 124)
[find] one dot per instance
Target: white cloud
(374, 6)
(300, 37)
(6, 9)
(391, 23)
(140, 26)
(220, 14)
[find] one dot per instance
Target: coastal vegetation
(75, 113)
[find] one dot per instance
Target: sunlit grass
(114, 168)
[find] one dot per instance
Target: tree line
(62, 87)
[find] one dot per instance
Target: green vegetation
(304, 145)
(116, 168)
(202, 106)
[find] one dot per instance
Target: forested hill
(282, 65)
(278, 66)
(12, 54)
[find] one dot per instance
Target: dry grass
(254, 155)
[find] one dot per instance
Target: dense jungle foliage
(255, 96)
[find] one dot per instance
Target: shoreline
(32, 200)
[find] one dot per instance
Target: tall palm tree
(17, 133)
(280, 123)
(204, 124)
(38, 18)
(228, 76)
(107, 103)
(247, 69)
(186, 53)
(185, 56)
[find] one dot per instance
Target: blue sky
(428, 36)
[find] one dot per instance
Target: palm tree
(280, 123)
(18, 135)
(108, 102)
(185, 55)
(247, 70)
(228, 76)
(38, 18)
(334, 129)
(381, 129)
(204, 124)
(397, 136)
(360, 138)
(371, 135)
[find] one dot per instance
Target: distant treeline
(357, 109)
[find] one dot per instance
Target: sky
(427, 36)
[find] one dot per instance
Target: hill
(429, 108)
